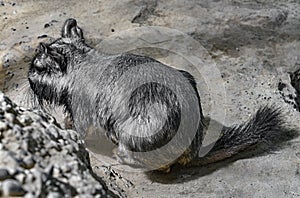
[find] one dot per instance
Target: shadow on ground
(178, 173)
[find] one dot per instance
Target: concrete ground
(249, 46)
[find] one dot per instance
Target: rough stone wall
(39, 159)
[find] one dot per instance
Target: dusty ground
(253, 44)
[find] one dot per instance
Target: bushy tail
(266, 126)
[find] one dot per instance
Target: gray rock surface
(39, 159)
(254, 44)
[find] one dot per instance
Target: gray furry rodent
(92, 87)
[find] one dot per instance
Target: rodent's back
(115, 91)
(103, 82)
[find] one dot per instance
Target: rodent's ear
(76, 32)
(71, 30)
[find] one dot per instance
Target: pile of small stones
(38, 158)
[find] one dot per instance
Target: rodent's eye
(41, 62)
(49, 64)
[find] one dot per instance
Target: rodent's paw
(185, 158)
(165, 169)
(124, 157)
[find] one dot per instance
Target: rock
(43, 157)
(54, 195)
(4, 174)
(52, 132)
(21, 177)
(25, 120)
(12, 187)
(28, 162)
(3, 126)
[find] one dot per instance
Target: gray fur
(121, 94)
(95, 92)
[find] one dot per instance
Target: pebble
(61, 142)
(13, 170)
(6, 107)
(4, 174)
(25, 145)
(3, 126)
(54, 195)
(75, 178)
(10, 117)
(51, 120)
(53, 145)
(13, 146)
(49, 170)
(21, 177)
(52, 131)
(43, 152)
(69, 148)
(29, 177)
(73, 136)
(28, 162)
(25, 119)
(66, 168)
(11, 187)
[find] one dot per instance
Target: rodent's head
(54, 60)
(47, 67)
(48, 61)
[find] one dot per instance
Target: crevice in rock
(247, 33)
(147, 9)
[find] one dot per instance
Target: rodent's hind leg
(110, 131)
(165, 169)
(123, 156)
(186, 157)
